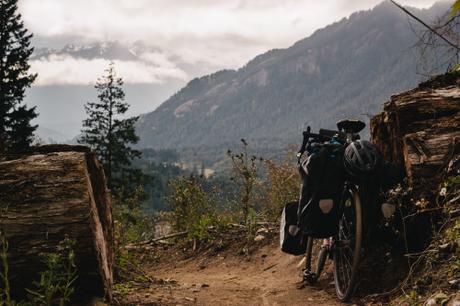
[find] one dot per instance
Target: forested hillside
(344, 70)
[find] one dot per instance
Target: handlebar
(331, 133)
(322, 136)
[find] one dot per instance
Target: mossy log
(420, 130)
(51, 193)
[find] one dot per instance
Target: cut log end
(48, 195)
(419, 130)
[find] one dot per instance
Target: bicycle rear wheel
(347, 245)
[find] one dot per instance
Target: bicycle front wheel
(347, 245)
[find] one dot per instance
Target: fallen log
(47, 195)
(419, 130)
(166, 237)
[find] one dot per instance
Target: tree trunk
(420, 130)
(46, 195)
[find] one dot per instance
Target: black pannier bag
(323, 176)
(291, 238)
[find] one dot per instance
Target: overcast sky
(209, 34)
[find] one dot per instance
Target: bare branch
(425, 25)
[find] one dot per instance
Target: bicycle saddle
(351, 126)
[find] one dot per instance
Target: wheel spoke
(343, 280)
(348, 261)
(345, 268)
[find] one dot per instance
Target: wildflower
(422, 203)
(443, 192)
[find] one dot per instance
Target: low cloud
(163, 21)
(66, 70)
(213, 34)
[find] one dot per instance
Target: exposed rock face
(53, 193)
(420, 130)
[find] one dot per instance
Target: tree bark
(419, 130)
(51, 193)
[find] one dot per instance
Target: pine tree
(15, 129)
(107, 134)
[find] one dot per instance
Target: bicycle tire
(345, 272)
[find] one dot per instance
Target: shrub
(131, 223)
(282, 186)
(192, 209)
(55, 285)
(246, 176)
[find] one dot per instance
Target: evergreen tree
(110, 136)
(15, 129)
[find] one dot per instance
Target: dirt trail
(267, 277)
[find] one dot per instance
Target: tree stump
(51, 193)
(420, 130)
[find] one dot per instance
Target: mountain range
(347, 69)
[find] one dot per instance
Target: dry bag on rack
(291, 238)
(323, 180)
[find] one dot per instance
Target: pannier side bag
(321, 193)
(291, 238)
